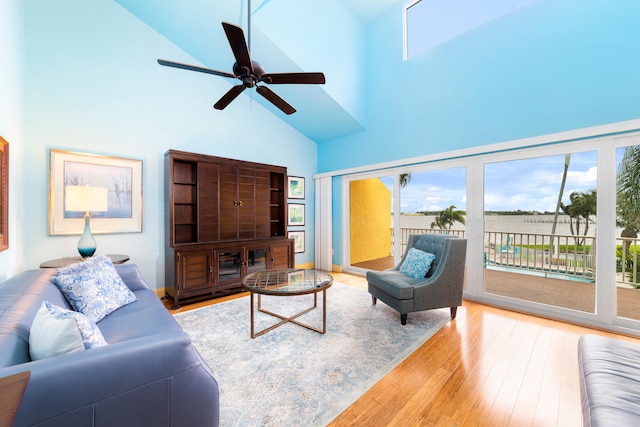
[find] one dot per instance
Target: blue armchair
(441, 287)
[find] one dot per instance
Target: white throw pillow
(94, 287)
(56, 331)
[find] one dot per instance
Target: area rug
(292, 376)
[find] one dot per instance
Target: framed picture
(296, 187)
(298, 241)
(121, 177)
(296, 214)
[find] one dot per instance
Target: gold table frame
(277, 283)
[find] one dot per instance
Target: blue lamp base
(87, 244)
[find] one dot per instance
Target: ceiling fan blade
(275, 100)
(294, 78)
(238, 44)
(195, 68)
(228, 97)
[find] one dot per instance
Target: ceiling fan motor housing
(249, 77)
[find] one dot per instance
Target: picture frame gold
(121, 176)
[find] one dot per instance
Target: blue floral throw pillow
(56, 331)
(417, 263)
(94, 287)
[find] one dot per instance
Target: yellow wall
(370, 233)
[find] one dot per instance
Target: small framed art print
(296, 187)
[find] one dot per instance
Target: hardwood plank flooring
(488, 367)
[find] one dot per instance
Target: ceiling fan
(250, 73)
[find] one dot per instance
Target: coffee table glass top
(288, 281)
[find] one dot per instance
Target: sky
(529, 185)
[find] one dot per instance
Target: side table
(11, 391)
(63, 262)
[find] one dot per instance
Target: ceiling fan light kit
(250, 73)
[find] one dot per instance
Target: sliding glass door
(551, 229)
(371, 223)
(431, 201)
(540, 228)
(628, 222)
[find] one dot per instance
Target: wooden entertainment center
(224, 219)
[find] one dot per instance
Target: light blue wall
(92, 84)
(11, 123)
(549, 66)
(331, 39)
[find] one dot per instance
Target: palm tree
(582, 206)
(448, 217)
(405, 179)
(567, 160)
(628, 192)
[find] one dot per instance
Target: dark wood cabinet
(224, 219)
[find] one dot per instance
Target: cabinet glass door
(256, 260)
(229, 266)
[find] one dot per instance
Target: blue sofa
(609, 371)
(149, 374)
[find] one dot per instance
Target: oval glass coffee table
(288, 282)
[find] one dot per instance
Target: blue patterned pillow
(417, 263)
(56, 331)
(94, 287)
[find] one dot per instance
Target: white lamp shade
(85, 198)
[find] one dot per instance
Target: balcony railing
(547, 254)
(567, 256)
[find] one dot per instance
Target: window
(370, 222)
(628, 228)
(586, 268)
(429, 23)
(540, 229)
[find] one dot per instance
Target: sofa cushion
(56, 331)
(609, 381)
(417, 263)
(93, 287)
(145, 317)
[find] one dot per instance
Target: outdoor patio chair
(440, 287)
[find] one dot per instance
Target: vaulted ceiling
(324, 112)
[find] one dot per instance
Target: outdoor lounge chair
(441, 287)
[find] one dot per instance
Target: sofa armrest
(80, 382)
(131, 276)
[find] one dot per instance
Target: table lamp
(86, 199)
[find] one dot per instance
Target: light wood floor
(488, 367)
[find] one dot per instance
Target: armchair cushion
(417, 263)
(393, 282)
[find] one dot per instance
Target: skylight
(429, 23)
